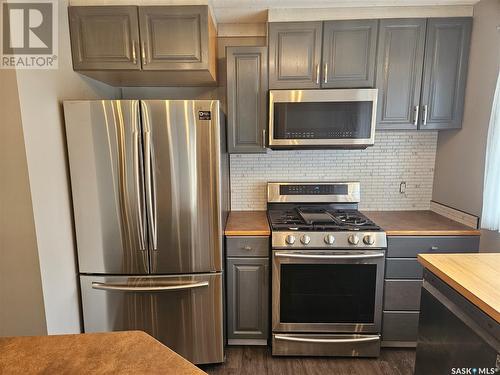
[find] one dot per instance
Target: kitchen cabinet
(445, 72)
(247, 290)
(295, 55)
(144, 45)
(104, 37)
(421, 73)
(247, 86)
(403, 281)
(333, 54)
(349, 50)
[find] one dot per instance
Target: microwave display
(323, 120)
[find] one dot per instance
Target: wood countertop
(130, 352)
(247, 223)
(474, 276)
(419, 223)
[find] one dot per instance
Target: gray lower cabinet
(349, 49)
(295, 55)
(247, 99)
(247, 299)
(445, 72)
(104, 37)
(399, 74)
(403, 282)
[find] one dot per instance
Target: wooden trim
(474, 276)
(247, 223)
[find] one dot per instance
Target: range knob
(329, 239)
(369, 239)
(305, 239)
(290, 239)
(353, 239)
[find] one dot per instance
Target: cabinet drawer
(400, 325)
(247, 246)
(410, 246)
(403, 268)
(402, 295)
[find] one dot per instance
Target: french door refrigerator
(150, 188)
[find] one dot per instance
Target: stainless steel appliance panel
(106, 167)
(181, 311)
(347, 345)
(183, 185)
(317, 279)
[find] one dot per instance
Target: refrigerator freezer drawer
(183, 311)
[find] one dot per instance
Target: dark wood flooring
(258, 361)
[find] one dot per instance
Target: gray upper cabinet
(349, 49)
(246, 99)
(399, 74)
(445, 72)
(104, 37)
(174, 37)
(295, 55)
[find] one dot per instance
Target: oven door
(322, 118)
(327, 291)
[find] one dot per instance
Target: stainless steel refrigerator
(150, 193)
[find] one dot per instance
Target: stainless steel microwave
(335, 118)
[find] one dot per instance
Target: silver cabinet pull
(317, 74)
(332, 341)
(415, 115)
(157, 288)
(434, 248)
(325, 73)
(283, 254)
(143, 52)
(134, 54)
(425, 115)
(248, 248)
(264, 138)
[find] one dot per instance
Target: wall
(461, 154)
(41, 93)
(21, 300)
(395, 157)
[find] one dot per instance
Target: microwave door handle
(336, 340)
(283, 254)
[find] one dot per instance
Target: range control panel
(320, 189)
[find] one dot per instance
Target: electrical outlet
(402, 187)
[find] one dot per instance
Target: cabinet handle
(425, 114)
(317, 74)
(264, 138)
(434, 248)
(415, 115)
(325, 73)
(134, 54)
(143, 52)
(248, 248)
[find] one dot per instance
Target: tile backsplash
(396, 157)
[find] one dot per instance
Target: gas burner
(350, 219)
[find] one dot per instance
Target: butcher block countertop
(247, 223)
(419, 223)
(131, 352)
(474, 276)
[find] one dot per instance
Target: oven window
(327, 293)
(322, 120)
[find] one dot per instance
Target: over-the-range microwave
(337, 118)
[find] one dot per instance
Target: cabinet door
(104, 37)
(246, 99)
(248, 295)
(174, 37)
(349, 49)
(399, 72)
(295, 55)
(445, 72)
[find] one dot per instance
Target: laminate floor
(258, 361)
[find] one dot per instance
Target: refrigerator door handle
(157, 288)
(139, 189)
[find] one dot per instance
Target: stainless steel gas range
(327, 271)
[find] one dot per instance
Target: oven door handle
(332, 341)
(328, 256)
